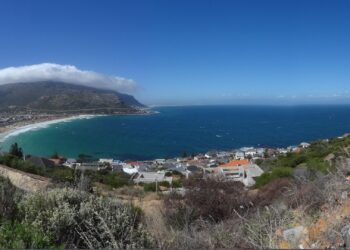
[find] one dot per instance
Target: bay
(190, 129)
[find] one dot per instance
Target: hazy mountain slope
(62, 96)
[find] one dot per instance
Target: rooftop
(236, 163)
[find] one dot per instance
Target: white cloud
(65, 73)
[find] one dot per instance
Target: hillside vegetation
(319, 158)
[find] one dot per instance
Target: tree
(16, 151)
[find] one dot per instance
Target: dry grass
(319, 205)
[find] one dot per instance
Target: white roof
(105, 160)
(130, 170)
(149, 177)
(252, 170)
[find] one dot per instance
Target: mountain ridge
(58, 96)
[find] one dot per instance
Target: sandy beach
(43, 122)
(24, 126)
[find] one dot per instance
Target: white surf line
(40, 125)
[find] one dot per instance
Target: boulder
(294, 236)
(345, 232)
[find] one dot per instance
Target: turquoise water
(191, 129)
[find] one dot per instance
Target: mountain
(65, 97)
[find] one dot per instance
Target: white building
(70, 162)
(250, 152)
(130, 170)
(244, 174)
(239, 155)
(305, 145)
(222, 154)
(151, 177)
(160, 161)
(292, 148)
(131, 167)
(260, 152)
(283, 150)
(109, 161)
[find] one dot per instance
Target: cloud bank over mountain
(65, 73)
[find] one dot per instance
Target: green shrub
(177, 183)
(112, 179)
(164, 184)
(9, 195)
(115, 181)
(23, 235)
(80, 220)
(318, 165)
(17, 163)
(279, 172)
(173, 172)
(60, 173)
(150, 187)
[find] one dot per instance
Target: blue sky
(191, 52)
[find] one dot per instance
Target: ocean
(192, 129)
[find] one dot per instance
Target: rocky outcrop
(346, 236)
(25, 181)
(295, 236)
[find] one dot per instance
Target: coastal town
(236, 165)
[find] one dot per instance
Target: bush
(164, 184)
(272, 191)
(17, 163)
(114, 180)
(60, 173)
(318, 165)
(173, 172)
(23, 236)
(150, 187)
(260, 229)
(276, 173)
(214, 199)
(177, 183)
(209, 199)
(81, 220)
(206, 235)
(9, 195)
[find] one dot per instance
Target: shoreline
(23, 127)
